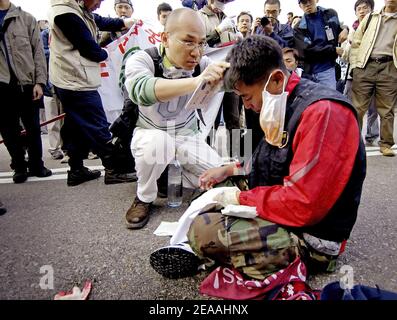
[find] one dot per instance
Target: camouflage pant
(255, 247)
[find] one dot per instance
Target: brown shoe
(387, 152)
(138, 214)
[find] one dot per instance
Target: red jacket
(324, 152)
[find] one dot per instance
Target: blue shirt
(3, 13)
(316, 27)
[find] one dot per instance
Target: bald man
(165, 129)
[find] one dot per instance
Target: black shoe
(20, 176)
(175, 262)
(41, 173)
(113, 177)
(3, 209)
(84, 174)
(162, 184)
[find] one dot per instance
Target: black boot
(114, 177)
(20, 175)
(76, 177)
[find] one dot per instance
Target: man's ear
(276, 84)
(164, 39)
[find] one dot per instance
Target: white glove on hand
(129, 22)
(240, 211)
(227, 196)
(226, 24)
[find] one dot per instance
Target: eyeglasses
(189, 45)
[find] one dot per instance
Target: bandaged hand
(228, 196)
(245, 212)
(226, 24)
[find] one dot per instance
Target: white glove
(226, 24)
(76, 293)
(227, 196)
(240, 211)
(129, 22)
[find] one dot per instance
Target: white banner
(141, 36)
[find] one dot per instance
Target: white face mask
(176, 73)
(272, 116)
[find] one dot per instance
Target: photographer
(268, 30)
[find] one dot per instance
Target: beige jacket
(363, 43)
(68, 69)
(24, 47)
(211, 21)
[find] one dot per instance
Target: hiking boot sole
(174, 263)
(138, 225)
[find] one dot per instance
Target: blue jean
(326, 78)
(85, 127)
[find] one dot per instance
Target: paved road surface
(79, 232)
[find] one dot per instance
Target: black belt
(381, 59)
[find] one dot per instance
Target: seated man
(165, 129)
(305, 182)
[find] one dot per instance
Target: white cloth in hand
(240, 211)
(226, 24)
(204, 203)
(227, 196)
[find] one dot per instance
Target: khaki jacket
(24, 47)
(363, 43)
(68, 69)
(211, 21)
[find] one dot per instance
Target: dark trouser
(372, 116)
(85, 127)
(377, 79)
(231, 115)
(252, 122)
(17, 105)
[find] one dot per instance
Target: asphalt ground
(80, 233)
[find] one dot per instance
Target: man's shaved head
(181, 18)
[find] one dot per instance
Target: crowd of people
(306, 174)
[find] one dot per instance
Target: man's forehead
(272, 7)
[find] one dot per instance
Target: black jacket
(311, 54)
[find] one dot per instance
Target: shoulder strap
(153, 52)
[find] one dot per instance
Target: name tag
(329, 33)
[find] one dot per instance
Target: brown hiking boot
(387, 152)
(137, 215)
